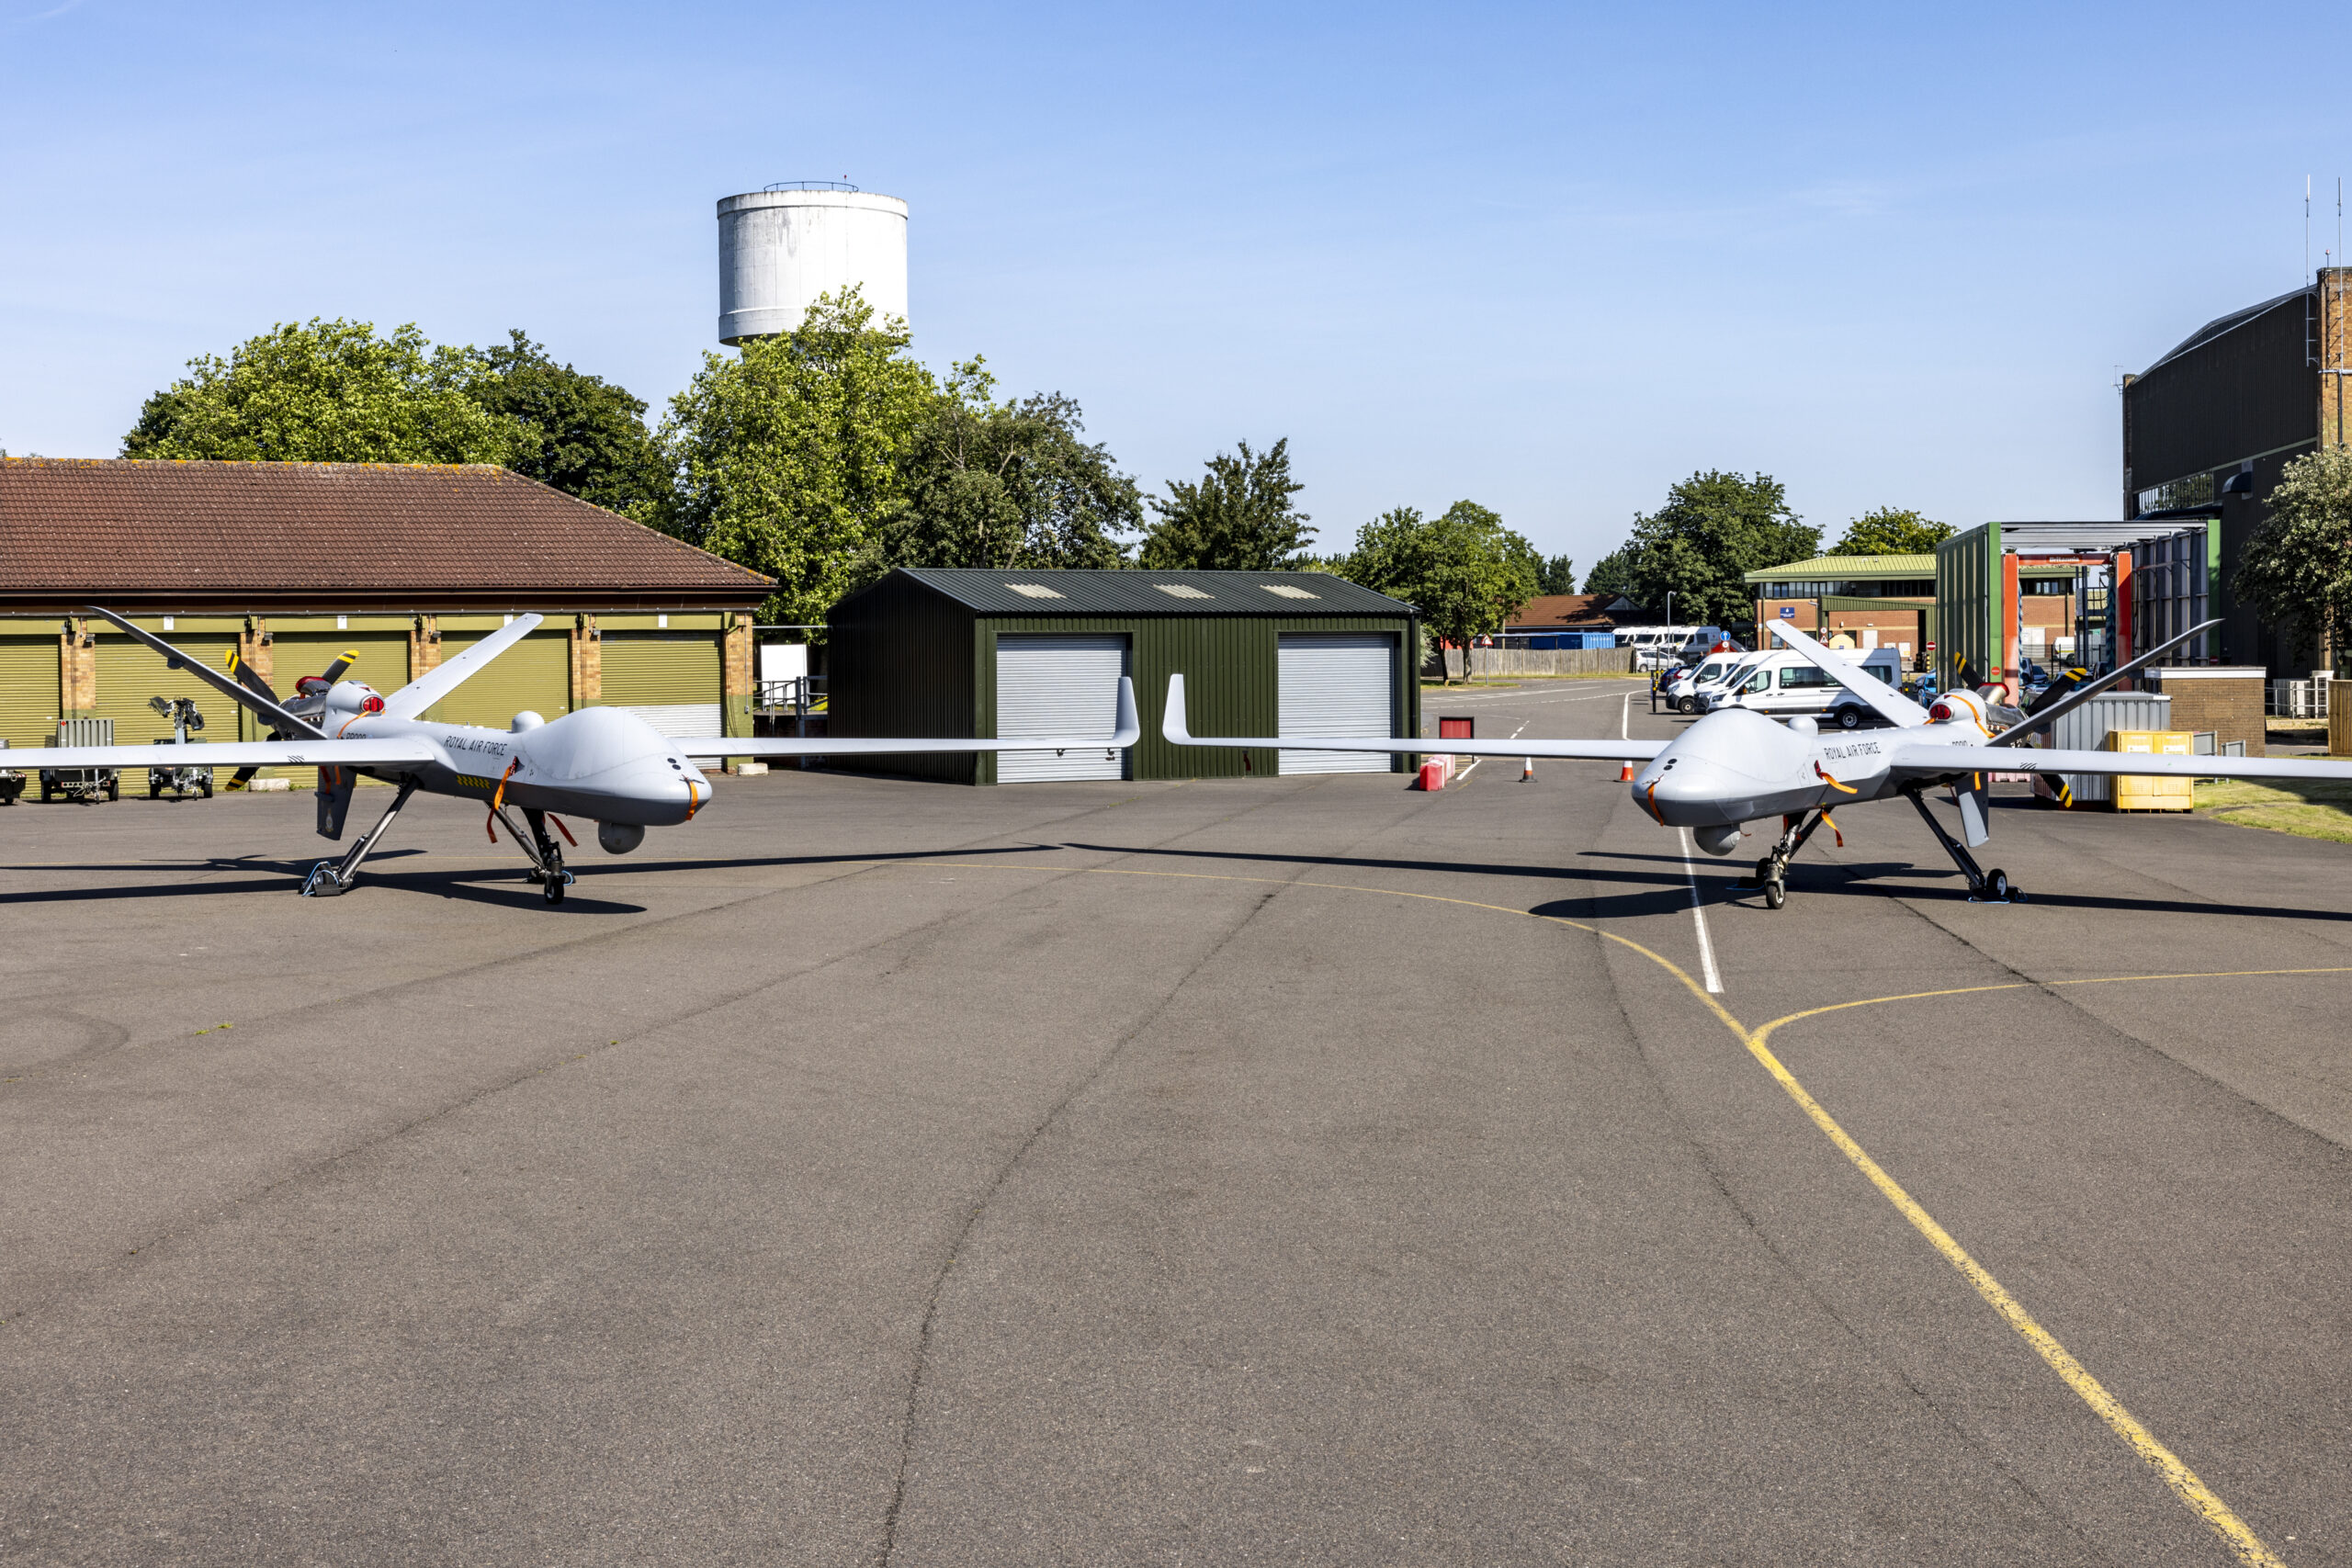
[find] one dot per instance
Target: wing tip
(1172, 728)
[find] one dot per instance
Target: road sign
(1788, 611)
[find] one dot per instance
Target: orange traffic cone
(1625, 772)
(1526, 769)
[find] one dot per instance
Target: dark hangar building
(997, 654)
(2208, 427)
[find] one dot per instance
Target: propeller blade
(333, 672)
(250, 678)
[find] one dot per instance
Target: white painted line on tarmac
(1474, 766)
(1699, 917)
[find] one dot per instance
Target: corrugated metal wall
(28, 687)
(2251, 390)
(900, 664)
(534, 674)
(129, 672)
(1231, 682)
(1969, 611)
(906, 660)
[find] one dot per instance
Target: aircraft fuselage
(601, 763)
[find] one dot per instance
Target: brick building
(289, 565)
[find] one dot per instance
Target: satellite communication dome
(780, 248)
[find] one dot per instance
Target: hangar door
(1337, 683)
(1060, 684)
(129, 672)
(535, 673)
(382, 660)
(28, 690)
(671, 680)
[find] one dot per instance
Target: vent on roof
(1287, 591)
(1034, 590)
(1181, 591)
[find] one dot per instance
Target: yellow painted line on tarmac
(2185, 1484)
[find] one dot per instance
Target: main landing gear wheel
(552, 889)
(1997, 889)
(1776, 892)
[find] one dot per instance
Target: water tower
(781, 247)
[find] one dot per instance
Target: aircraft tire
(1998, 888)
(552, 890)
(1776, 892)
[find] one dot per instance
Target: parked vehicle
(1656, 647)
(1785, 683)
(12, 783)
(84, 784)
(1685, 694)
(186, 779)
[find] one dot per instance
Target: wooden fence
(1486, 663)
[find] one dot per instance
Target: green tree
(1464, 569)
(1612, 574)
(791, 459)
(1714, 529)
(1239, 517)
(325, 392)
(1891, 531)
(578, 433)
(2297, 564)
(1558, 576)
(1011, 484)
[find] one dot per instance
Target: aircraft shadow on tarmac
(505, 887)
(1664, 891)
(1671, 891)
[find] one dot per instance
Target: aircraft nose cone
(1688, 793)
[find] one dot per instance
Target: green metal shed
(992, 655)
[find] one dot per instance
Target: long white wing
(1173, 728)
(397, 753)
(228, 686)
(412, 700)
(1128, 731)
(1891, 705)
(1917, 761)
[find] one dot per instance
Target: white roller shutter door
(1059, 685)
(1337, 683)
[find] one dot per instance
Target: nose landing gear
(1773, 871)
(546, 855)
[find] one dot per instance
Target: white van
(1656, 647)
(1684, 693)
(1787, 682)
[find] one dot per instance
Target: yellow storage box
(2140, 792)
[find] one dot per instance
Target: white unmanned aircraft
(1736, 766)
(601, 763)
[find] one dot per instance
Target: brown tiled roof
(236, 537)
(1564, 610)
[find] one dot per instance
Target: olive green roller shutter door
(28, 689)
(129, 672)
(382, 663)
(671, 680)
(535, 675)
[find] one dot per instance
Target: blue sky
(1548, 258)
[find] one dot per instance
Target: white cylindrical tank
(780, 248)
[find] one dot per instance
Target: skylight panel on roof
(1181, 591)
(1034, 590)
(1287, 591)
